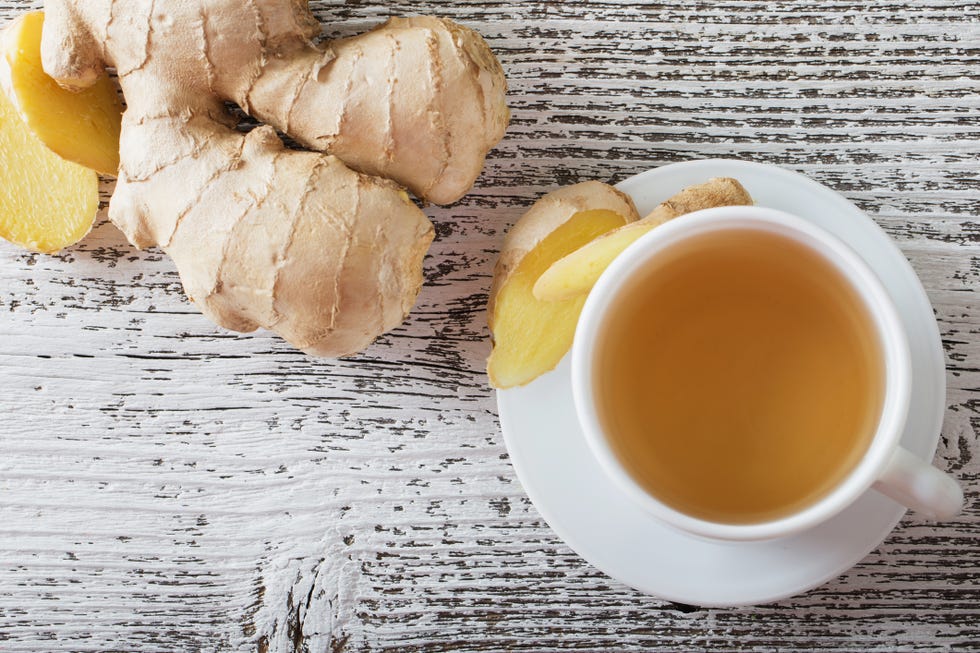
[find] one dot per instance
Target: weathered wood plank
(168, 486)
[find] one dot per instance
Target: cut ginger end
(530, 337)
(81, 126)
(46, 203)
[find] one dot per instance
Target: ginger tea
(740, 377)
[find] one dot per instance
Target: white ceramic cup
(885, 466)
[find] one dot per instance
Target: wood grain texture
(169, 486)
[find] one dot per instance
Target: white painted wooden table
(168, 486)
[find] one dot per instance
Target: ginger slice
(46, 203)
(530, 337)
(81, 126)
(575, 275)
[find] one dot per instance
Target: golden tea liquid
(739, 377)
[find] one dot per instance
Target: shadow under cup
(740, 372)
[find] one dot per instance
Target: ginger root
(262, 236)
(82, 126)
(575, 274)
(530, 337)
(46, 203)
(417, 100)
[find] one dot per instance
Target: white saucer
(606, 528)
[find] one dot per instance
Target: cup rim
(888, 325)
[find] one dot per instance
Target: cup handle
(916, 484)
